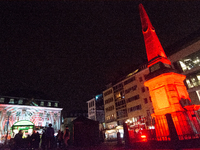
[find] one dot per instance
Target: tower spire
(154, 50)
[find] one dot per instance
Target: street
(103, 146)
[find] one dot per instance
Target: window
(109, 100)
(49, 104)
(135, 108)
(110, 108)
(134, 87)
(108, 92)
(56, 105)
(143, 89)
(20, 101)
(189, 62)
(145, 100)
(150, 99)
(122, 113)
(11, 101)
(148, 113)
(41, 103)
(129, 89)
(2, 100)
(140, 79)
(129, 80)
(193, 80)
(132, 98)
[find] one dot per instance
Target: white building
(27, 114)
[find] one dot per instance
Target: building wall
(187, 62)
(109, 108)
(132, 91)
(92, 109)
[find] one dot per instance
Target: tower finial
(154, 50)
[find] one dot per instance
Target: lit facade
(28, 115)
(187, 62)
(127, 101)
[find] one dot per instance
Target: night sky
(68, 51)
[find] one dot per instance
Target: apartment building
(96, 110)
(127, 100)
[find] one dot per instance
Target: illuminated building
(186, 60)
(25, 114)
(127, 100)
(168, 92)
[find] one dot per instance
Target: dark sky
(70, 50)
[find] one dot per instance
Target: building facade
(187, 62)
(96, 110)
(26, 114)
(127, 101)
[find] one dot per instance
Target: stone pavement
(103, 146)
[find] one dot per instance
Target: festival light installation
(39, 116)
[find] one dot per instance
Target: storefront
(24, 125)
(27, 118)
(112, 133)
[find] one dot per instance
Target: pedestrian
(44, 140)
(35, 140)
(28, 142)
(66, 136)
(50, 136)
(18, 140)
(60, 138)
(119, 140)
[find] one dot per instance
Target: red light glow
(143, 136)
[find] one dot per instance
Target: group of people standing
(48, 140)
(31, 142)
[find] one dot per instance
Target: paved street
(104, 146)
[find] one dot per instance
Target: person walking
(66, 136)
(44, 140)
(35, 140)
(50, 136)
(60, 138)
(18, 140)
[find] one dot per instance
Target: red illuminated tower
(168, 92)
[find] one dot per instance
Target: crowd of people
(47, 140)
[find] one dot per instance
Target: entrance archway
(25, 125)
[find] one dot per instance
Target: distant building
(70, 116)
(96, 109)
(17, 113)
